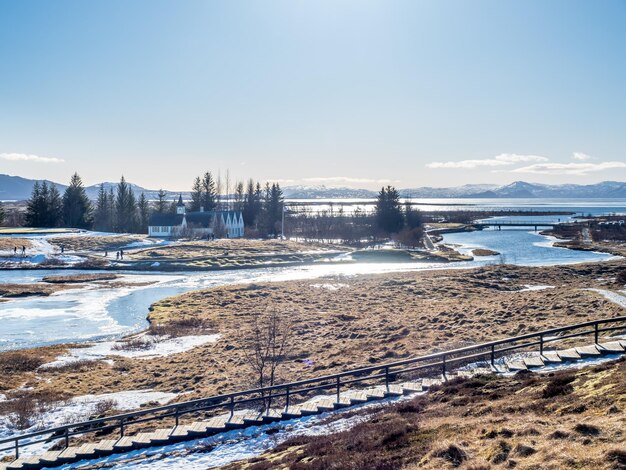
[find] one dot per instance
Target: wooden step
(69, 453)
(357, 397)
(343, 402)
(16, 464)
(86, 450)
(143, 439)
(217, 423)
(392, 390)
(515, 366)
(179, 432)
(612, 347)
(161, 436)
(411, 387)
(271, 416)
(428, 383)
(551, 357)
(123, 444)
(308, 409)
(293, 411)
(50, 457)
(105, 446)
(327, 404)
(253, 417)
(588, 351)
(374, 394)
(569, 354)
(533, 362)
(235, 421)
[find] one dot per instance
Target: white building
(204, 224)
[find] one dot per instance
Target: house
(202, 223)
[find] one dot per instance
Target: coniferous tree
(272, 209)
(388, 216)
(196, 195)
(161, 205)
(102, 214)
(210, 196)
(239, 197)
(112, 219)
(35, 207)
(54, 207)
(2, 214)
(249, 205)
(77, 210)
(125, 208)
(143, 211)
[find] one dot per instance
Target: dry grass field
(338, 323)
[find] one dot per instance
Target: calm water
(80, 315)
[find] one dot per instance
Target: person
(62, 249)
(121, 254)
(117, 255)
(106, 253)
(23, 250)
(15, 250)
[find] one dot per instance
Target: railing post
(176, 415)
(596, 332)
(121, 427)
(67, 438)
(287, 400)
(338, 387)
(387, 378)
(17, 449)
(443, 366)
(493, 355)
(541, 344)
(232, 405)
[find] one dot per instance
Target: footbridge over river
(515, 223)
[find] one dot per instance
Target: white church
(204, 224)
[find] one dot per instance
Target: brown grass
(76, 278)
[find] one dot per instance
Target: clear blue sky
(319, 92)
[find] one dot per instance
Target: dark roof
(203, 219)
(165, 220)
(180, 200)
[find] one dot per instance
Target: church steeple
(180, 206)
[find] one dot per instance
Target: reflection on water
(79, 315)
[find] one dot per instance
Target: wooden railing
(440, 362)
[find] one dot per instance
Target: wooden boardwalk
(317, 405)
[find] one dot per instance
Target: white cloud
(579, 169)
(23, 157)
(581, 156)
(504, 159)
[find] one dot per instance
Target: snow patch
(161, 346)
(328, 286)
(528, 287)
(619, 299)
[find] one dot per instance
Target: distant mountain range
(18, 188)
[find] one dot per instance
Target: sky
(353, 93)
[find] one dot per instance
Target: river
(95, 313)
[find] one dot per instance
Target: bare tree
(266, 348)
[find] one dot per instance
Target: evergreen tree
(197, 195)
(239, 197)
(272, 209)
(389, 218)
(143, 211)
(35, 207)
(161, 205)
(125, 208)
(2, 213)
(112, 220)
(54, 207)
(249, 212)
(102, 214)
(412, 216)
(77, 211)
(209, 199)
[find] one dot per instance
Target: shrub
(134, 344)
(15, 362)
(452, 453)
(560, 385)
(618, 458)
(587, 429)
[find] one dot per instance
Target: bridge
(512, 223)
